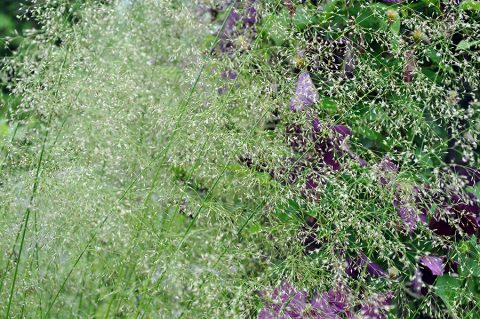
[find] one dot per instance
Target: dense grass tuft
(242, 159)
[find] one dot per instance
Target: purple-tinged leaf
(290, 6)
(225, 42)
(470, 175)
(434, 263)
(427, 271)
(329, 159)
(322, 307)
(362, 162)
(388, 171)
(332, 141)
(311, 183)
(334, 302)
(250, 17)
(355, 266)
(442, 223)
(229, 75)
(420, 202)
(230, 23)
(342, 132)
(407, 214)
(456, 215)
(409, 67)
(349, 59)
(387, 165)
(377, 307)
(417, 283)
(296, 137)
(316, 125)
(309, 234)
(292, 302)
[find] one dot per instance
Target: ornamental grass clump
(243, 159)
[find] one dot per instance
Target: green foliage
(139, 179)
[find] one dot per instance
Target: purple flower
(305, 94)
(393, 1)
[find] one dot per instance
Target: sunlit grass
(137, 181)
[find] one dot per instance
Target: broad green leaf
(276, 27)
(329, 104)
(433, 55)
(6, 23)
(253, 228)
(304, 17)
(4, 129)
(470, 267)
(395, 26)
(289, 211)
(474, 189)
(470, 5)
(373, 17)
(327, 10)
(447, 289)
(465, 45)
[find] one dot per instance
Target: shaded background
(11, 30)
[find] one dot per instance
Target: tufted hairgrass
(124, 187)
